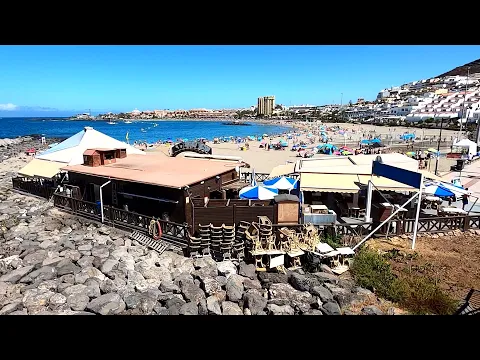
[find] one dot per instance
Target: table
(453, 210)
(432, 198)
(353, 210)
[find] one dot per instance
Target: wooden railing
(32, 186)
(260, 177)
(406, 226)
(177, 233)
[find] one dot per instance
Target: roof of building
(160, 170)
(41, 168)
(71, 150)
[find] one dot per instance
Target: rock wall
(54, 263)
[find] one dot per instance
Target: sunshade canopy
(41, 168)
(70, 151)
(438, 190)
(282, 183)
(258, 193)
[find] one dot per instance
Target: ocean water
(165, 130)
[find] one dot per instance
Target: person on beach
(464, 200)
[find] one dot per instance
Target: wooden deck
(174, 233)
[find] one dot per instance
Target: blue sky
(64, 80)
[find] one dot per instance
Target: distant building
(265, 106)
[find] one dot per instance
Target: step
(158, 245)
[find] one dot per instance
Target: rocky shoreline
(14, 147)
(54, 263)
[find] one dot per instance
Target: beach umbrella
(410, 153)
(282, 183)
(438, 190)
(283, 143)
(258, 193)
(376, 140)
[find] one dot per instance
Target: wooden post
(466, 223)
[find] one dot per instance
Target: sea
(138, 130)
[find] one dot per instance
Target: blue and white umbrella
(258, 193)
(282, 183)
(438, 190)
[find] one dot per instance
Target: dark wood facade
(230, 211)
(152, 200)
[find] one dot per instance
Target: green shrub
(423, 296)
(333, 240)
(418, 294)
(373, 272)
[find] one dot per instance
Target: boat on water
(128, 122)
(236, 122)
(112, 122)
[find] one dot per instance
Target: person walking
(465, 199)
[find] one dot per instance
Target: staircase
(158, 245)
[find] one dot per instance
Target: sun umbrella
(258, 193)
(437, 190)
(282, 183)
(410, 153)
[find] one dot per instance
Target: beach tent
(283, 143)
(70, 151)
(282, 183)
(469, 144)
(365, 142)
(407, 136)
(258, 193)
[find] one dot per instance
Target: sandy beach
(264, 161)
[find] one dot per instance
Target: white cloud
(8, 107)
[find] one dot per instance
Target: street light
(463, 105)
(438, 146)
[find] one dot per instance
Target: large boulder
(107, 304)
(256, 303)
(234, 288)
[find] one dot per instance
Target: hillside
(462, 70)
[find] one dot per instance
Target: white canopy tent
(48, 163)
(70, 151)
(469, 144)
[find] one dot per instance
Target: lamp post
(438, 146)
(463, 105)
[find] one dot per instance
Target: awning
(340, 183)
(383, 183)
(41, 168)
(429, 175)
(282, 170)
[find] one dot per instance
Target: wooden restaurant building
(152, 185)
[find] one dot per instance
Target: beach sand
(264, 161)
